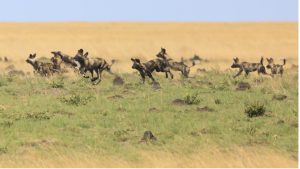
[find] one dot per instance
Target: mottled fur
(92, 65)
(180, 66)
(44, 69)
(275, 68)
(249, 67)
(163, 64)
(145, 69)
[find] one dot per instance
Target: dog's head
(31, 58)
(235, 63)
(162, 54)
(270, 63)
(136, 64)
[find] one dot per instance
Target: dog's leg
(239, 73)
(151, 77)
(264, 72)
(171, 74)
(166, 74)
(247, 73)
(95, 78)
(84, 73)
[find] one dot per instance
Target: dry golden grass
(214, 157)
(217, 42)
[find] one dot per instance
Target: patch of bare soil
(116, 97)
(179, 102)
(242, 86)
(204, 109)
(279, 97)
(148, 136)
(118, 81)
(156, 86)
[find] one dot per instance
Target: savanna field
(200, 121)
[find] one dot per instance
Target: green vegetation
(69, 114)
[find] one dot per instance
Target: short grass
(66, 116)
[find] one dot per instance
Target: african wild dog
(63, 58)
(92, 64)
(44, 69)
(163, 64)
(249, 67)
(145, 69)
(180, 66)
(275, 68)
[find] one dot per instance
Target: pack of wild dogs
(82, 63)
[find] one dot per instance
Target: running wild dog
(249, 67)
(44, 69)
(92, 64)
(275, 68)
(163, 64)
(145, 69)
(180, 66)
(66, 59)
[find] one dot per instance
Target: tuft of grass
(76, 100)
(58, 84)
(192, 99)
(255, 109)
(43, 115)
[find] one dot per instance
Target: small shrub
(255, 109)
(3, 150)
(218, 101)
(192, 99)
(38, 115)
(76, 100)
(57, 84)
(7, 123)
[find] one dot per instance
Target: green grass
(70, 114)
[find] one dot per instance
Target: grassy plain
(64, 121)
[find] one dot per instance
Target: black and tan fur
(163, 64)
(145, 69)
(42, 68)
(179, 66)
(249, 67)
(64, 58)
(275, 68)
(92, 65)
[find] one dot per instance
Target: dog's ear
(236, 60)
(138, 60)
(86, 54)
(80, 51)
(132, 59)
(34, 55)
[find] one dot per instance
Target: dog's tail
(262, 60)
(113, 61)
(284, 61)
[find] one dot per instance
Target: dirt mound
(204, 109)
(279, 97)
(148, 136)
(179, 102)
(153, 109)
(118, 81)
(242, 86)
(156, 86)
(116, 97)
